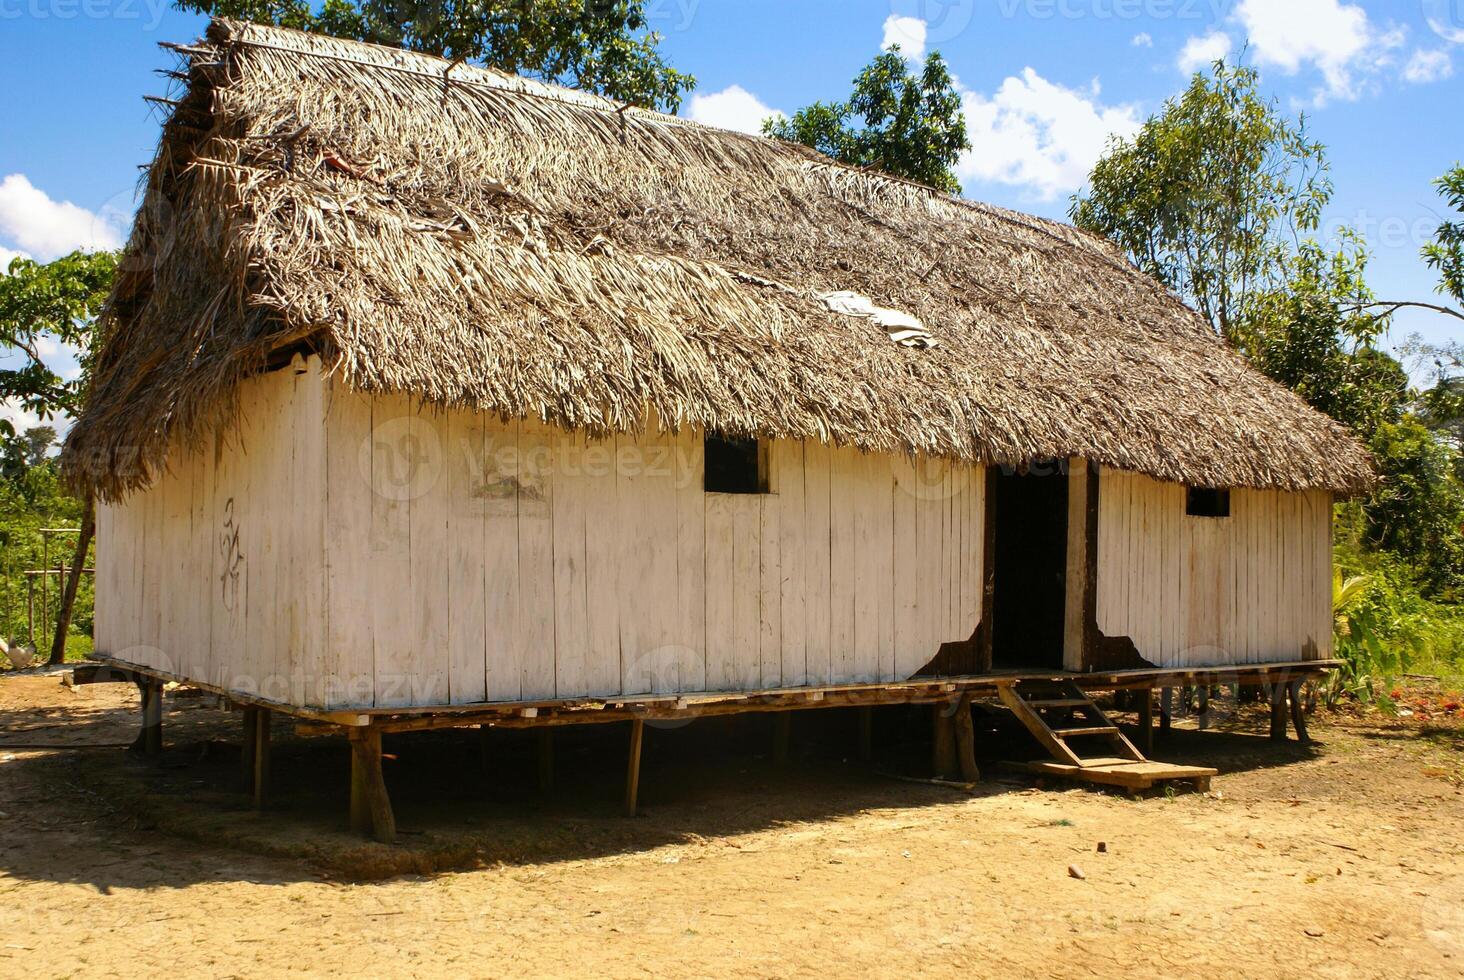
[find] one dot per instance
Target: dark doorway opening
(1030, 566)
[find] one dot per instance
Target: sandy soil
(1343, 859)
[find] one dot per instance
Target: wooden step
(1091, 730)
(1132, 776)
(1059, 702)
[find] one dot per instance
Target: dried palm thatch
(479, 240)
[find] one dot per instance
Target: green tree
(1417, 512)
(895, 121)
(1446, 252)
(601, 46)
(57, 302)
(1211, 195)
(1312, 334)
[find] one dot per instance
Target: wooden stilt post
(1298, 712)
(1146, 718)
(370, 804)
(1166, 710)
(151, 737)
(966, 741)
(866, 734)
(943, 736)
(546, 759)
(1277, 692)
(259, 777)
(247, 746)
(782, 735)
(632, 769)
(1204, 716)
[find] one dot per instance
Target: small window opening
(736, 465)
(1207, 502)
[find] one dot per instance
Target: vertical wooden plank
(603, 571)
(350, 675)
(536, 445)
(465, 556)
(770, 593)
(398, 466)
(882, 510)
(312, 660)
(176, 489)
(503, 680)
(910, 649)
(746, 590)
(720, 577)
(104, 589)
(201, 548)
(817, 570)
(689, 638)
(648, 589)
(972, 487)
(842, 572)
(793, 555)
(571, 600)
(1173, 601)
(229, 583)
(431, 502)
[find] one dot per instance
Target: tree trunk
(73, 581)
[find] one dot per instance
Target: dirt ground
(1341, 859)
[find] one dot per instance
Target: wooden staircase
(1040, 705)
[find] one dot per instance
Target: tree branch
(1389, 308)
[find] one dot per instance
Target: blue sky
(1045, 83)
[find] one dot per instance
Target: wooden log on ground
(259, 777)
(966, 742)
(1298, 711)
(632, 769)
(370, 804)
(943, 741)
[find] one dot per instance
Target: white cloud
(1039, 135)
(22, 419)
(1201, 52)
(48, 229)
(732, 108)
(1428, 66)
(908, 32)
(1143, 40)
(1335, 38)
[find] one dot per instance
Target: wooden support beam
(866, 734)
(943, 741)
(370, 804)
(150, 738)
(259, 777)
(546, 759)
(1203, 717)
(250, 715)
(1166, 710)
(633, 766)
(1146, 719)
(966, 742)
(782, 735)
(1277, 693)
(1298, 711)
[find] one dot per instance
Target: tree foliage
(602, 46)
(1446, 252)
(1212, 195)
(41, 305)
(896, 122)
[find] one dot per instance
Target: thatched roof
(481, 240)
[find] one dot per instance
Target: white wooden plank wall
(1253, 588)
(341, 550)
